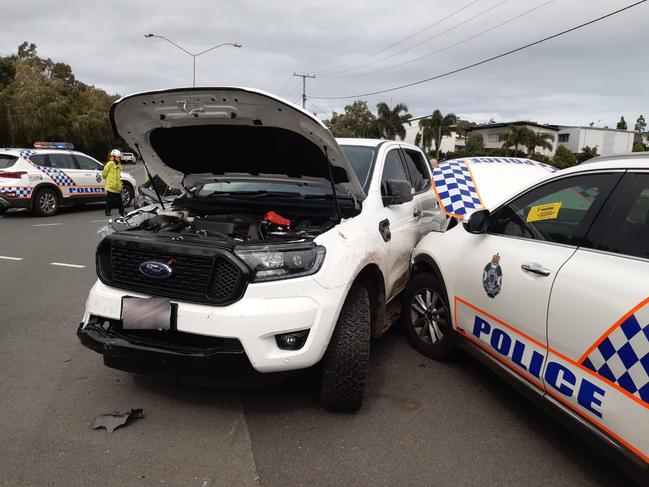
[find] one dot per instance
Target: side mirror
(396, 192)
(477, 222)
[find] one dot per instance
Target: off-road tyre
(346, 361)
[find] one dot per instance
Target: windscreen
(361, 159)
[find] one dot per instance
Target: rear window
(6, 161)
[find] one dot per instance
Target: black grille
(199, 274)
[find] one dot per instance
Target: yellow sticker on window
(548, 211)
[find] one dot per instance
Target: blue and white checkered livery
(18, 191)
(623, 356)
(455, 188)
(26, 154)
(57, 175)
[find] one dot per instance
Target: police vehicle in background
(550, 287)
(52, 174)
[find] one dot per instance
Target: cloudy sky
(354, 46)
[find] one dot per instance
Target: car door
(397, 224)
(424, 198)
(598, 320)
(505, 275)
(90, 179)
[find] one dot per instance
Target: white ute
(260, 269)
(547, 281)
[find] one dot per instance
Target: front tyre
(46, 202)
(347, 358)
(426, 317)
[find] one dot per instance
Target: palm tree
(390, 120)
(435, 127)
(517, 136)
(538, 139)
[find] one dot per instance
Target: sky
(595, 74)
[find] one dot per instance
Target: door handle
(417, 213)
(536, 269)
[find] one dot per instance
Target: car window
(558, 212)
(627, 230)
(62, 161)
(40, 159)
(361, 159)
(87, 163)
(393, 169)
(6, 161)
(419, 175)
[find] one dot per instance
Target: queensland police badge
(492, 277)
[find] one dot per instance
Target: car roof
(14, 151)
(371, 142)
(634, 160)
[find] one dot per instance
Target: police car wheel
(345, 364)
(426, 318)
(127, 195)
(46, 202)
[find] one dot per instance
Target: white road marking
(98, 221)
(10, 258)
(47, 224)
(76, 266)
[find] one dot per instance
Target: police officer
(113, 182)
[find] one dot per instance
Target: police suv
(287, 247)
(52, 174)
(550, 287)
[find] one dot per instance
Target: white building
(607, 141)
(450, 143)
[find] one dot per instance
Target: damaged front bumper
(175, 356)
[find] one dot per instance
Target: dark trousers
(114, 200)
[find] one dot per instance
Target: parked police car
(52, 174)
(550, 287)
(287, 247)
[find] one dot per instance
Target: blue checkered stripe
(20, 191)
(455, 187)
(623, 356)
(26, 154)
(57, 175)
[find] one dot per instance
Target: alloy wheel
(47, 202)
(429, 315)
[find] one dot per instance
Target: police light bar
(53, 145)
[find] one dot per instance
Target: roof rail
(616, 157)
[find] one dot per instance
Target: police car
(549, 286)
(50, 175)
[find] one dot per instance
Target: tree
(640, 124)
(621, 125)
(517, 136)
(474, 145)
(356, 121)
(563, 157)
(639, 147)
(538, 139)
(435, 127)
(586, 153)
(390, 121)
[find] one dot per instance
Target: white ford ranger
(287, 248)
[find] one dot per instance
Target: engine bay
(230, 229)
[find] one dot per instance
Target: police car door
(64, 173)
(397, 225)
(505, 276)
(90, 180)
(598, 321)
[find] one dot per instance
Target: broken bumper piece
(175, 356)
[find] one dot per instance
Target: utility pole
(304, 77)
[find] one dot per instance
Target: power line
(398, 42)
(425, 41)
(484, 61)
(304, 77)
(290, 77)
(437, 51)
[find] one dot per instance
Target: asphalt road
(423, 422)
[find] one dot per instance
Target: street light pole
(193, 55)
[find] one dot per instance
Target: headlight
(274, 262)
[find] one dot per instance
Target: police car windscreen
(6, 161)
